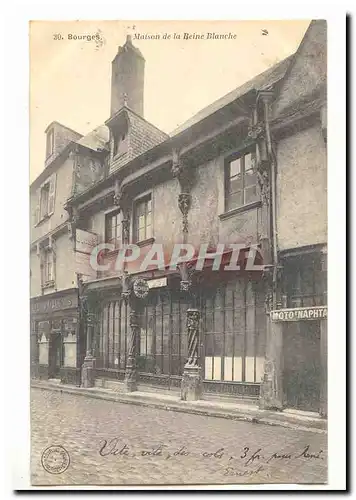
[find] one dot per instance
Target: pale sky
(70, 79)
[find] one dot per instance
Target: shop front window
(233, 332)
(303, 286)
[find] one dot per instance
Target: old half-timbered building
(56, 340)
(243, 184)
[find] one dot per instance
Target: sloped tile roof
(97, 139)
(143, 135)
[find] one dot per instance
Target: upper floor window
(303, 280)
(50, 143)
(47, 267)
(113, 229)
(240, 181)
(143, 219)
(45, 199)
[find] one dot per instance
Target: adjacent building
(248, 173)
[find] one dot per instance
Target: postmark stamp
(55, 459)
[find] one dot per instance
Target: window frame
(48, 278)
(227, 179)
(120, 143)
(50, 143)
(144, 199)
(45, 188)
(303, 280)
(108, 217)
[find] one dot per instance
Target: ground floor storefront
(220, 340)
(230, 338)
(56, 343)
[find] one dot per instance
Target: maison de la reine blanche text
(184, 36)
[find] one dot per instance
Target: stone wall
(302, 189)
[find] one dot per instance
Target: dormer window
(119, 136)
(120, 143)
(50, 143)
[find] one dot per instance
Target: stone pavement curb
(316, 425)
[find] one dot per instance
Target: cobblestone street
(112, 443)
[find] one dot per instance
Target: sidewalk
(293, 419)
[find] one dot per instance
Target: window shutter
(52, 194)
(42, 270)
(54, 257)
(38, 207)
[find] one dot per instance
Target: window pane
(141, 234)
(235, 184)
(148, 231)
(248, 162)
(149, 205)
(113, 224)
(149, 219)
(235, 167)
(234, 200)
(250, 178)
(250, 194)
(140, 209)
(141, 221)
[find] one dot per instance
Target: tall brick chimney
(127, 79)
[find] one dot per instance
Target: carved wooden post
(271, 392)
(191, 388)
(186, 180)
(184, 202)
(120, 199)
(130, 380)
(88, 367)
(133, 292)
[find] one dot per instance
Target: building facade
(243, 179)
(56, 339)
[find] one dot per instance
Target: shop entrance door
(55, 355)
(301, 373)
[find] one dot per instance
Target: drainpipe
(266, 99)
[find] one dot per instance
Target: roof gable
(307, 73)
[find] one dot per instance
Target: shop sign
(140, 288)
(157, 283)
(300, 314)
(85, 241)
(54, 304)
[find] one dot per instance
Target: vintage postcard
(178, 252)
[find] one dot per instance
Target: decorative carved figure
(184, 202)
(193, 318)
(256, 131)
(125, 230)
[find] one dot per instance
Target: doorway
(55, 355)
(301, 371)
